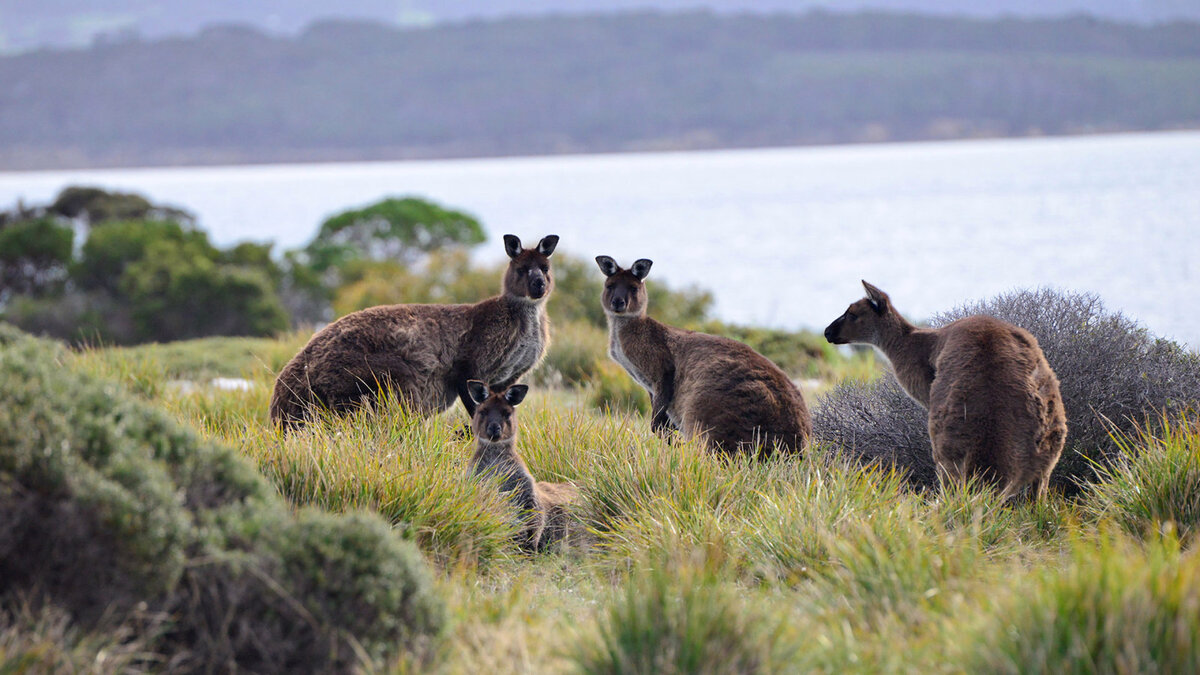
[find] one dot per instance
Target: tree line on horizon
(346, 90)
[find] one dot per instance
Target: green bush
(33, 255)
(108, 507)
(615, 392)
(578, 351)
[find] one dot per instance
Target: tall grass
(792, 564)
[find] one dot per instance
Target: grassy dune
(683, 562)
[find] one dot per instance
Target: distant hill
(31, 24)
(343, 90)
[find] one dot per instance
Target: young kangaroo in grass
(544, 505)
(994, 406)
(426, 353)
(703, 385)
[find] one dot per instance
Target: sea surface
(780, 236)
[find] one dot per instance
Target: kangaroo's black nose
(493, 430)
(619, 304)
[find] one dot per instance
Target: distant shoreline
(12, 162)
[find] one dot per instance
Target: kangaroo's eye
(522, 270)
(544, 268)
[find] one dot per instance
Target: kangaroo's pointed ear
(877, 298)
(478, 391)
(641, 268)
(547, 244)
(607, 265)
(516, 393)
(512, 245)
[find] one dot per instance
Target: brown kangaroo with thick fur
(426, 353)
(994, 406)
(702, 385)
(544, 505)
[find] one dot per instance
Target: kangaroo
(994, 406)
(426, 353)
(702, 385)
(544, 505)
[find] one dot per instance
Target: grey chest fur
(618, 355)
(526, 350)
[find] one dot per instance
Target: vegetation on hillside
(343, 90)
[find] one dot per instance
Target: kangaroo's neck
(524, 309)
(500, 459)
(911, 352)
(639, 344)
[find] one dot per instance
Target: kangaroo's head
(865, 320)
(528, 274)
(494, 419)
(624, 290)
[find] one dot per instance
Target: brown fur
(703, 385)
(545, 506)
(994, 406)
(425, 353)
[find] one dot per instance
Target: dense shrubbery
(109, 508)
(1113, 375)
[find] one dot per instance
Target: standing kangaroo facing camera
(426, 353)
(994, 406)
(703, 385)
(543, 505)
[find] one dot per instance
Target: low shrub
(577, 353)
(615, 392)
(1117, 609)
(1113, 375)
(109, 507)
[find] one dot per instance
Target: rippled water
(782, 236)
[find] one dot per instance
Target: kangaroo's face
(624, 290)
(495, 418)
(528, 273)
(861, 321)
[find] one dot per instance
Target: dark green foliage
(110, 249)
(552, 84)
(106, 504)
(33, 255)
(395, 230)
(1113, 375)
(94, 205)
(158, 280)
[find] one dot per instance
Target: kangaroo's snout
(831, 333)
(494, 430)
(618, 304)
(537, 286)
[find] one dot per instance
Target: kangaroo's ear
(512, 245)
(641, 268)
(607, 265)
(478, 391)
(516, 393)
(547, 244)
(877, 298)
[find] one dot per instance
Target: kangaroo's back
(995, 408)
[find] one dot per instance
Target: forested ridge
(637, 81)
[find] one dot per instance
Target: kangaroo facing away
(426, 353)
(544, 505)
(703, 385)
(994, 407)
